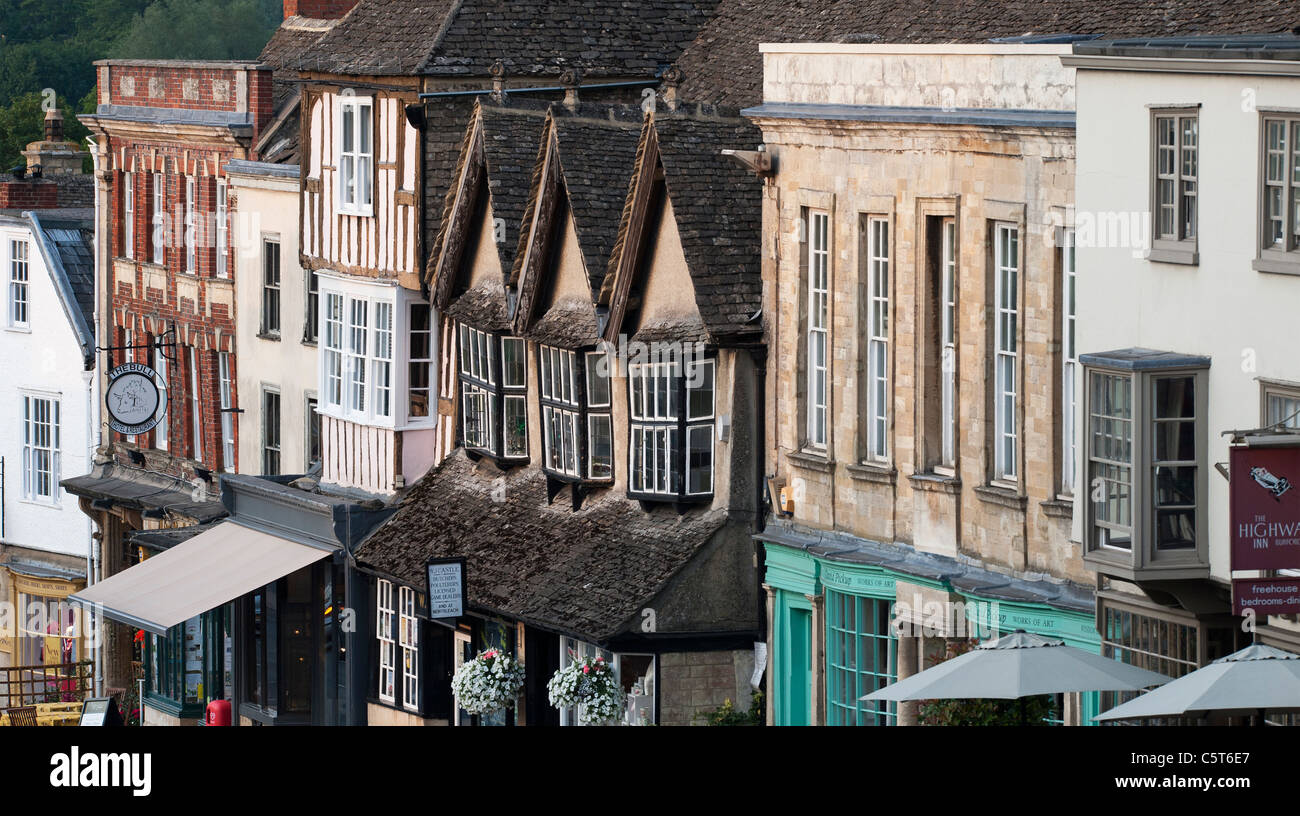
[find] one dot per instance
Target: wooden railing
(60, 683)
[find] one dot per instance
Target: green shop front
(849, 616)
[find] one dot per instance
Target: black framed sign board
(133, 399)
(446, 587)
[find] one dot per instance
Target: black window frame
(579, 408)
(490, 380)
(679, 466)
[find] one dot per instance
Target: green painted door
(798, 681)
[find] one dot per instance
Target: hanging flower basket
(588, 683)
(490, 682)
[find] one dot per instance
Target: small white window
(818, 326)
(387, 648)
(271, 286)
(40, 449)
(226, 387)
(19, 278)
(333, 357)
(878, 339)
(128, 215)
(355, 155)
(223, 228)
(158, 237)
(409, 640)
(191, 228)
(1006, 349)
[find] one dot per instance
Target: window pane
(600, 446)
(597, 380)
(700, 466)
(700, 390)
(512, 362)
(516, 430)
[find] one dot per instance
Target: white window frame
(1006, 385)
(355, 361)
(196, 411)
(878, 316)
(332, 358)
(483, 397)
(272, 257)
(41, 446)
(223, 234)
(355, 190)
(948, 343)
(409, 640)
(128, 215)
(191, 227)
(225, 385)
(663, 433)
(384, 611)
(818, 335)
(19, 277)
(561, 410)
(267, 427)
(157, 237)
(160, 431)
(1069, 365)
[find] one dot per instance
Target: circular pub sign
(134, 402)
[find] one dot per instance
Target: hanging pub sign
(446, 577)
(1266, 596)
(133, 399)
(1264, 507)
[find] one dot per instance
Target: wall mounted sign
(1264, 507)
(446, 577)
(133, 399)
(1267, 596)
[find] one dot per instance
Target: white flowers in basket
(588, 683)
(490, 682)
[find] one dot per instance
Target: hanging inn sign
(134, 401)
(1264, 514)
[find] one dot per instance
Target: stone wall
(692, 683)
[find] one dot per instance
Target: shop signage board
(446, 579)
(1264, 507)
(1266, 596)
(133, 399)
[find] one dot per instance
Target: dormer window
(577, 431)
(671, 448)
(493, 391)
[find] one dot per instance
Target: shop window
(174, 669)
(672, 410)
(861, 657)
(493, 383)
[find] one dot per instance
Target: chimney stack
(54, 155)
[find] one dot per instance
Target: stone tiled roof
(596, 157)
(619, 38)
(724, 66)
(717, 205)
(295, 38)
(483, 307)
(587, 572)
(463, 38)
(511, 136)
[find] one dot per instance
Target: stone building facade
(916, 266)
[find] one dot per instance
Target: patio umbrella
(1257, 678)
(1015, 666)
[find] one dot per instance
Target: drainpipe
(91, 379)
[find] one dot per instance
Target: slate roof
(72, 242)
(294, 38)
(717, 205)
(138, 489)
(723, 65)
(587, 573)
(463, 38)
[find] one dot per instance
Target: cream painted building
(916, 263)
(1189, 248)
(277, 307)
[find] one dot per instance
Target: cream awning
(212, 568)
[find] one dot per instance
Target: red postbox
(218, 713)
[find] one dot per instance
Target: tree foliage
(46, 44)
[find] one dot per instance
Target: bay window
(577, 430)
(493, 391)
(419, 390)
(355, 153)
(600, 427)
(357, 361)
(671, 446)
(1144, 443)
(333, 356)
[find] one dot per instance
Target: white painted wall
(45, 361)
(1244, 320)
(267, 205)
